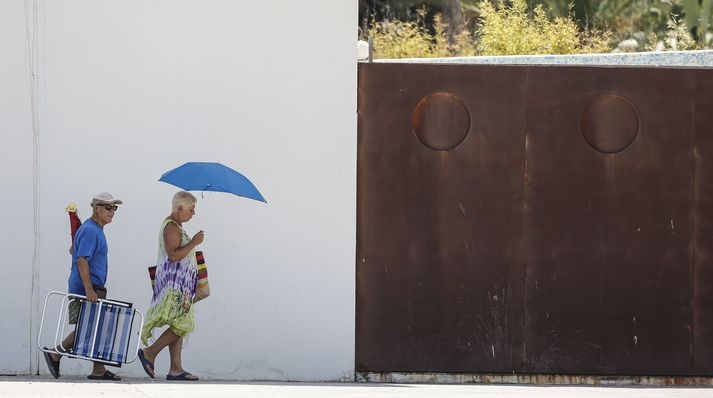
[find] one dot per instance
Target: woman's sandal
(146, 364)
(182, 377)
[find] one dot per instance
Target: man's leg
(66, 344)
(98, 369)
(73, 309)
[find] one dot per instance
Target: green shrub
(463, 46)
(399, 39)
(677, 37)
(512, 29)
(409, 39)
(503, 30)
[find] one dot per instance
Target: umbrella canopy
(205, 176)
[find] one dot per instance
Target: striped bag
(152, 275)
(202, 287)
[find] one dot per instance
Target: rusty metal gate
(535, 219)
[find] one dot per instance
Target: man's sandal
(52, 365)
(106, 376)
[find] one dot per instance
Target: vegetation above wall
(441, 28)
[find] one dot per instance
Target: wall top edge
(700, 59)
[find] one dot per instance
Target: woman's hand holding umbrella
(198, 238)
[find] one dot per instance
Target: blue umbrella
(205, 176)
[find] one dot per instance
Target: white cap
(105, 197)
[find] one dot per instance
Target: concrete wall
(129, 89)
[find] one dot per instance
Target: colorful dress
(174, 290)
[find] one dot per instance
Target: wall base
(464, 378)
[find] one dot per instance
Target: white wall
(130, 89)
(16, 181)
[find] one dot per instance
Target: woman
(174, 289)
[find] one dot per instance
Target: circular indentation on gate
(441, 121)
(610, 124)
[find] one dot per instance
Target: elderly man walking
(88, 274)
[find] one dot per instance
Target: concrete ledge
(703, 59)
(541, 379)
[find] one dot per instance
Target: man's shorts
(75, 305)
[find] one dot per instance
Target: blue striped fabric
(85, 325)
(125, 317)
(113, 332)
(105, 333)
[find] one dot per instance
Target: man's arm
(83, 267)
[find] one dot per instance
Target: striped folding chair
(103, 332)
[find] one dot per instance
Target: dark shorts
(75, 305)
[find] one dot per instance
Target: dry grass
(505, 29)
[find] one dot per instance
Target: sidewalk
(42, 386)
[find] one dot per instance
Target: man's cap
(105, 197)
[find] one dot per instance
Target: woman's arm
(172, 242)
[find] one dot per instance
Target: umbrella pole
(205, 209)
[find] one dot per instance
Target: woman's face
(186, 213)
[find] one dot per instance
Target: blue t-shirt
(89, 242)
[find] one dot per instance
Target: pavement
(44, 386)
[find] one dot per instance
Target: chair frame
(61, 323)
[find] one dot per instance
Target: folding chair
(103, 331)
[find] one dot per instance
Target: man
(88, 274)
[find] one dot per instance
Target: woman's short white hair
(183, 199)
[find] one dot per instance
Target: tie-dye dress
(173, 292)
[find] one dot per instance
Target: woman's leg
(175, 350)
(167, 338)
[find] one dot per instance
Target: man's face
(186, 213)
(105, 212)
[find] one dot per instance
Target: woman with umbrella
(174, 290)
